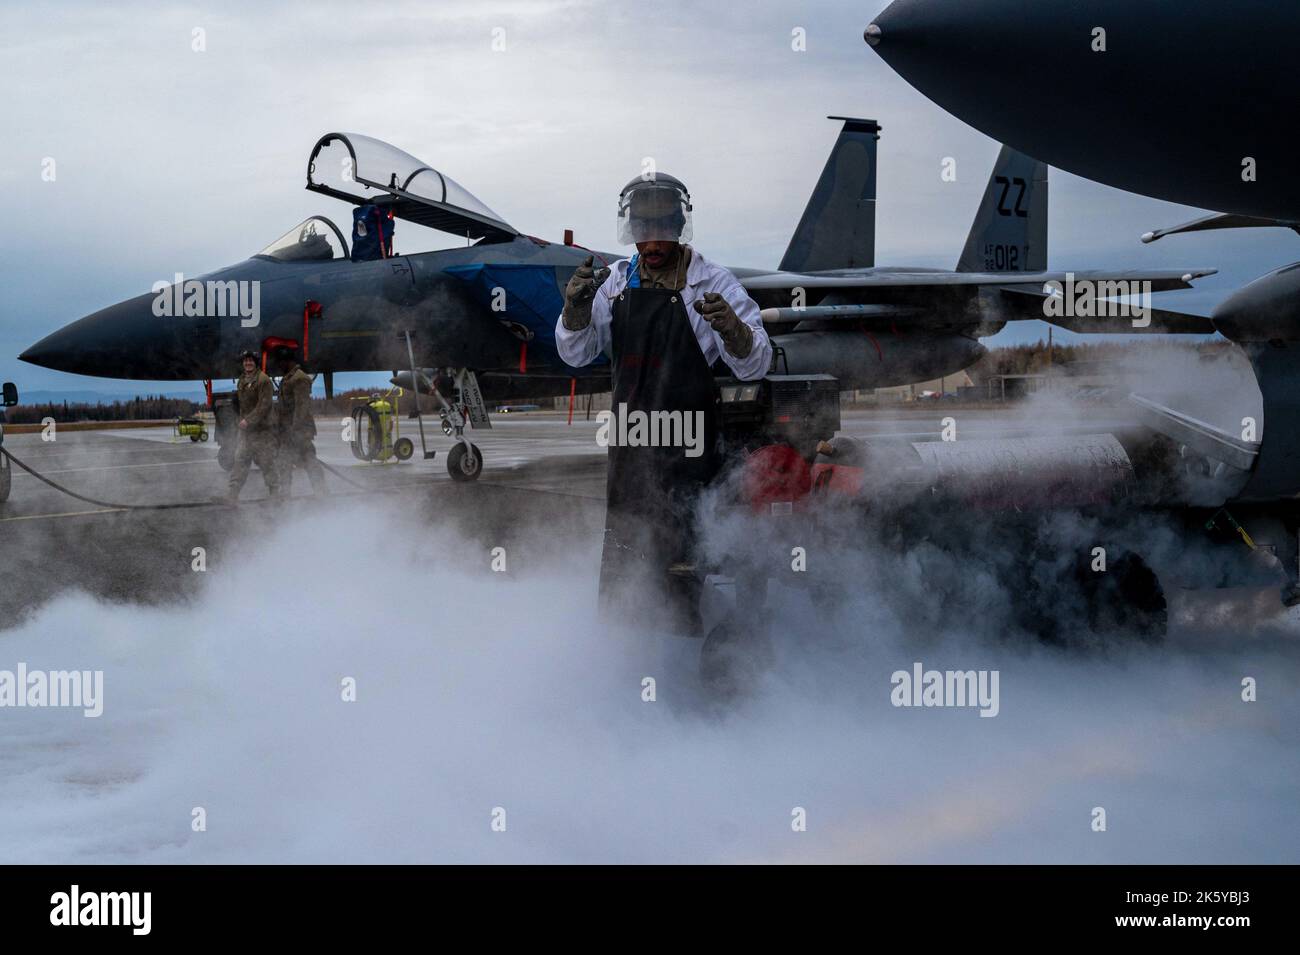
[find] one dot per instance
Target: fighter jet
(1184, 100)
(1113, 90)
(476, 324)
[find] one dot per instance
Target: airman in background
(257, 443)
(297, 425)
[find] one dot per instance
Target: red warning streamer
(311, 309)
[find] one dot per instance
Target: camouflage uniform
(257, 441)
(297, 431)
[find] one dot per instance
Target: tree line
(1038, 357)
(1026, 359)
(140, 408)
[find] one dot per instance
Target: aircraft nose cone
(69, 349)
(1234, 305)
(915, 21)
(46, 352)
(1267, 309)
(932, 41)
(951, 51)
(116, 342)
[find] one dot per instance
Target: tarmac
(114, 552)
(538, 469)
(480, 690)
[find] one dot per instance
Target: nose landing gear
(458, 393)
(464, 461)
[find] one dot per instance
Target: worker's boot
(229, 499)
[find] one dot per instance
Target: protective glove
(735, 334)
(579, 294)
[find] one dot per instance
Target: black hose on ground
(367, 417)
(180, 505)
(193, 504)
(98, 503)
(343, 477)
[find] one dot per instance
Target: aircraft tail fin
(838, 226)
(1009, 233)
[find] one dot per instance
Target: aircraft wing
(1219, 221)
(1162, 280)
(1162, 321)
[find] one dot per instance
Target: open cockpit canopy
(361, 170)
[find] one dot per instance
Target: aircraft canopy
(359, 169)
(312, 240)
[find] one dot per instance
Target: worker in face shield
(665, 317)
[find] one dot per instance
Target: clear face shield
(654, 211)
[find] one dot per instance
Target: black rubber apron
(651, 491)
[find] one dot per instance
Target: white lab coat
(581, 347)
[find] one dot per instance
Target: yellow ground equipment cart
(375, 434)
(195, 428)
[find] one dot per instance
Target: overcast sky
(169, 159)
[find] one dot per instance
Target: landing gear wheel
(464, 462)
(226, 456)
(403, 448)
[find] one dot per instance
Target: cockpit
(313, 240)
